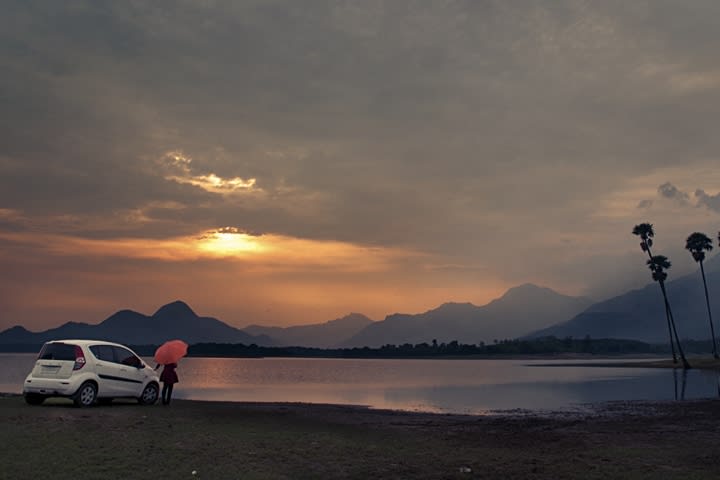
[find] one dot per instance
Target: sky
(279, 162)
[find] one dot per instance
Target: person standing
(169, 378)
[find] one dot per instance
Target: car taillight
(79, 358)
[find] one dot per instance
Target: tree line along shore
(546, 346)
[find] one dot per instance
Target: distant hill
(640, 314)
(518, 311)
(174, 320)
(320, 335)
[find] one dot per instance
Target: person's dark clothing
(168, 374)
(169, 378)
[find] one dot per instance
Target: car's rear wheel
(86, 395)
(34, 398)
(149, 394)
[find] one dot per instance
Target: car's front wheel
(149, 394)
(34, 398)
(86, 395)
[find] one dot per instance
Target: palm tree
(659, 264)
(646, 233)
(697, 244)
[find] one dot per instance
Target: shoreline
(698, 363)
(617, 408)
(358, 413)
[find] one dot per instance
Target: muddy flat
(227, 440)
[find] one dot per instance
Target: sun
(227, 243)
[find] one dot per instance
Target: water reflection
(549, 395)
(453, 386)
(682, 387)
(436, 385)
(708, 384)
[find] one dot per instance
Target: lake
(447, 386)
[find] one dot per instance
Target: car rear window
(57, 351)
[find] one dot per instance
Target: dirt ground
(226, 440)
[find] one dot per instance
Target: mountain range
(525, 311)
(320, 335)
(640, 314)
(521, 309)
(174, 320)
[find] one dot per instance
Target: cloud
(711, 202)
(180, 170)
(670, 191)
(237, 231)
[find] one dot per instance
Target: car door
(131, 373)
(108, 371)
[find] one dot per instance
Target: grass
(225, 440)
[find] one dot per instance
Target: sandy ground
(647, 440)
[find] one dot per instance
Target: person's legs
(165, 395)
(169, 393)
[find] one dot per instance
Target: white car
(88, 371)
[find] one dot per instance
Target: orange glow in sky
(239, 277)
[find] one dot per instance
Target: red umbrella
(171, 352)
